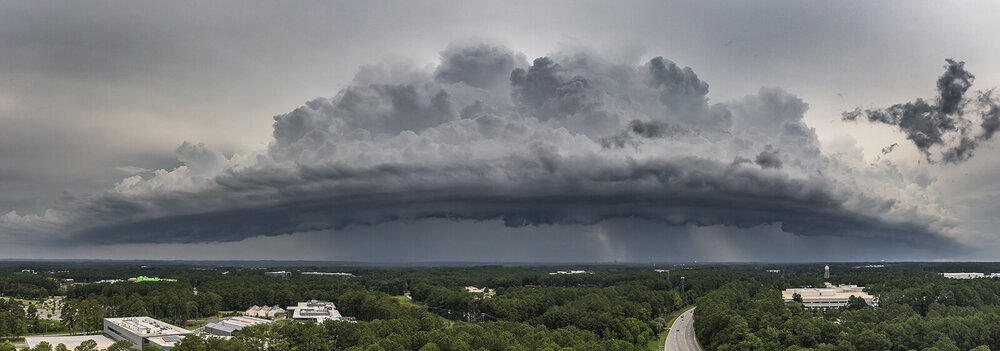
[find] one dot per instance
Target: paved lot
(70, 341)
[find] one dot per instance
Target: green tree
(88, 345)
(121, 345)
(855, 303)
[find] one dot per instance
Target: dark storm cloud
(769, 158)
(638, 130)
(534, 154)
(682, 191)
(947, 125)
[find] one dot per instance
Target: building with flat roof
(226, 327)
(329, 274)
(964, 275)
(265, 311)
(278, 274)
(568, 272)
(317, 311)
(829, 297)
(141, 330)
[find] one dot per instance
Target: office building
(829, 297)
(143, 330)
(316, 311)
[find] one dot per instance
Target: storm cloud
(949, 128)
(486, 136)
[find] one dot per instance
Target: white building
(143, 330)
(970, 275)
(317, 311)
(475, 290)
(567, 272)
(829, 297)
(330, 274)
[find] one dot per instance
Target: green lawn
(657, 345)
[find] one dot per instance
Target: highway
(681, 335)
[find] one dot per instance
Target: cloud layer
(571, 138)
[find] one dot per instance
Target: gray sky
(633, 161)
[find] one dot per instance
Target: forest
(608, 307)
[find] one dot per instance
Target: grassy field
(657, 345)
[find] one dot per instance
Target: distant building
(279, 274)
(567, 272)
(144, 330)
(870, 266)
(142, 278)
(334, 274)
(29, 271)
(474, 290)
(774, 271)
(970, 275)
(317, 311)
(226, 327)
(829, 297)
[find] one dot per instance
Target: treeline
(86, 306)
(930, 315)
(27, 286)
(425, 332)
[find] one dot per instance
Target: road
(681, 336)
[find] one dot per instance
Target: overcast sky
(500, 131)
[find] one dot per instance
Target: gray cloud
(638, 130)
(478, 65)
(946, 126)
(769, 158)
(886, 150)
(447, 143)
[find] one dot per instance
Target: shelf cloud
(570, 138)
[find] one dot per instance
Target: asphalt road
(681, 336)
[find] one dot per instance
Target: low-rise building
(970, 275)
(316, 311)
(278, 274)
(140, 331)
(226, 327)
(567, 272)
(265, 311)
(476, 290)
(330, 274)
(829, 297)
